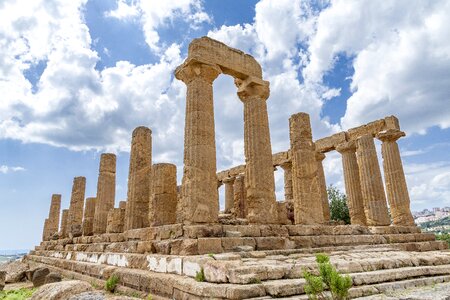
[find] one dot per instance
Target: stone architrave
(259, 175)
(136, 214)
(106, 190)
(53, 217)
(64, 231)
(115, 220)
(287, 169)
(200, 198)
(375, 205)
(163, 199)
(229, 194)
(394, 176)
(323, 187)
(305, 181)
(352, 183)
(75, 221)
(240, 197)
(88, 220)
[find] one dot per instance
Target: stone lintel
(329, 143)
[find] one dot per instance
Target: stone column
(375, 205)
(240, 197)
(53, 217)
(124, 205)
(115, 220)
(75, 220)
(45, 231)
(305, 180)
(200, 198)
(352, 183)
(163, 200)
(394, 176)
(259, 176)
(64, 222)
(88, 220)
(323, 187)
(106, 191)
(287, 169)
(136, 214)
(229, 194)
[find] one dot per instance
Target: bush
(19, 294)
(111, 283)
(444, 237)
(338, 205)
(328, 278)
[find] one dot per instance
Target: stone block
(184, 247)
(209, 245)
(270, 243)
(231, 243)
(199, 231)
(329, 143)
(273, 230)
(39, 275)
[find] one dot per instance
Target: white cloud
(6, 169)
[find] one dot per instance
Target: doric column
(259, 177)
(394, 176)
(136, 214)
(287, 169)
(106, 191)
(229, 194)
(88, 219)
(53, 216)
(200, 198)
(115, 220)
(352, 183)
(375, 205)
(76, 206)
(45, 231)
(323, 187)
(163, 199)
(305, 182)
(240, 197)
(124, 204)
(64, 232)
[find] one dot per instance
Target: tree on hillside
(338, 205)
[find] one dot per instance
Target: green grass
(111, 283)
(19, 294)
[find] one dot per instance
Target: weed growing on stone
(111, 283)
(200, 276)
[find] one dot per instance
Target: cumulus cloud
(6, 169)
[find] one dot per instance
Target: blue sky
(76, 77)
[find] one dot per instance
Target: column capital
(349, 146)
(252, 87)
(390, 135)
(228, 180)
(193, 68)
(320, 156)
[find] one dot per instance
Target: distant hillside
(432, 224)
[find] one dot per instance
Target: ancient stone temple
(165, 235)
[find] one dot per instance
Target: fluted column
(53, 217)
(229, 194)
(75, 220)
(115, 220)
(88, 219)
(305, 181)
(64, 232)
(163, 199)
(323, 187)
(45, 231)
(240, 198)
(200, 198)
(352, 183)
(287, 169)
(375, 205)
(106, 191)
(394, 176)
(259, 175)
(136, 213)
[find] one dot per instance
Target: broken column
(372, 189)
(53, 217)
(200, 198)
(163, 199)
(323, 187)
(106, 190)
(229, 194)
(64, 232)
(352, 183)
(394, 176)
(240, 197)
(305, 181)
(259, 175)
(136, 214)
(88, 219)
(75, 220)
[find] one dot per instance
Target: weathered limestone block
(229, 194)
(306, 189)
(283, 217)
(200, 198)
(76, 206)
(163, 200)
(323, 187)
(106, 191)
(352, 183)
(64, 222)
(375, 206)
(88, 220)
(371, 128)
(329, 143)
(240, 197)
(115, 221)
(259, 175)
(394, 176)
(53, 217)
(136, 215)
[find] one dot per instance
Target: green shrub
(19, 294)
(444, 237)
(329, 278)
(200, 276)
(111, 283)
(338, 205)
